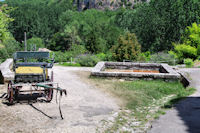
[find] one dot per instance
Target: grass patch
(142, 93)
(144, 100)
(70, 64)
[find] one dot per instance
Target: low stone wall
(6, 74)
(167, 73)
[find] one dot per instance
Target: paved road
(185, 116)
(83, 109)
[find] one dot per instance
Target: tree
(94, 29)
(35, 41)
(127, 48)
(37, 17)
(160, 22)
(4, 21)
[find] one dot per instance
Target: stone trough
(134, 71)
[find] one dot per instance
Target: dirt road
(83, 109)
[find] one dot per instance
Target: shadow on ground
(189, 112)
(29, 99)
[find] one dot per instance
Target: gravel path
(83, 109)
(185, 116)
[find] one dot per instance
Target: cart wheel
(10, 93)
(16, 93)
(49, 95)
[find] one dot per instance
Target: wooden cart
(31, 71)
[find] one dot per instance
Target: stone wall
(5, 71)
(167, 73)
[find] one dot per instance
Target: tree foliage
(127, 48)
(94, 29)
(160, 22)
(36, 17)
(4, 21)
(192, 35)
(35, 42)
(156, 24)
(190, 43)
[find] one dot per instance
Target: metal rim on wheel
(49, 94)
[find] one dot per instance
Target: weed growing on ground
(141, 101)
(146, 100)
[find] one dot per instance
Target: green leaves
(185, 51)
(38, 42)
(4, 21)
(37, 17)
(192, 35)
(127, 48)
(190, 48)
(160, 22)
(94, 29)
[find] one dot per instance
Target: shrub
(188, 62)
(69, 64)
(87, 60)
(9, 47)
(3, 54)
(101, 56)
(162, 57)
(67, 55)
(63, 56)
(77, 49)
(105, 57)
(109, 56)
(144, 56)
(127, 48)
(190, 46)
(183, 51)
(35, 41)
(192, 35)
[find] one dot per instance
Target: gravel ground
(83, 108)
(184, 116)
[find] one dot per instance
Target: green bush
(144, 56)
(70, 64)
(77, 49)
(67, 55)
(163, 58)
(127, 48)
(9, 47)
(105, 57)
(109, 56)
(188, 62)
(183, 51)
(3, 54)
(63, 56)
(101, 56)
(192, 35)
(87, 60)
(190, 44)
(38, 42)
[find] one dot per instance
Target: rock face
(6, 73)
(106, 4)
